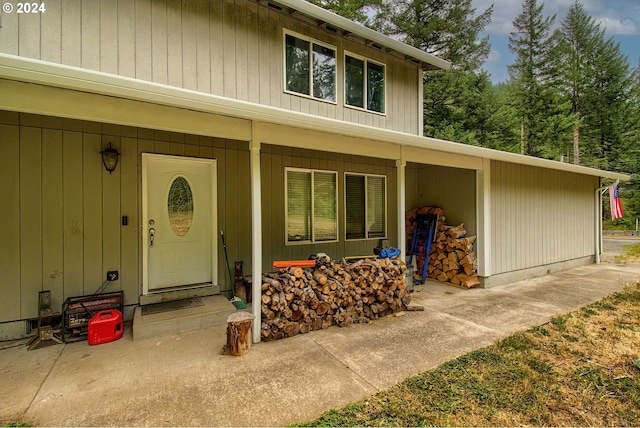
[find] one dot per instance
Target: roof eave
(502, 156)
(63, 76)
(428, 61)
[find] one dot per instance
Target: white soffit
(430, 62)
(77, 79)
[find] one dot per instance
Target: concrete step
(214, 311)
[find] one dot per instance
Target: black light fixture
(110, 158)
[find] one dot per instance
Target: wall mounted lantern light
(110, 158)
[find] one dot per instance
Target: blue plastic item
(384, 253)
(423, 236)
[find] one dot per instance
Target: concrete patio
(183, 380)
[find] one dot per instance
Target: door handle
(152, 235)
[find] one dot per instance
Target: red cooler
(105, 326)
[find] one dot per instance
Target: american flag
(614, 200)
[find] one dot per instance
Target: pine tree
(541, 121)
(575, 43)
(454, 100)
(355, 10)
(446, 28)
(593, 76)
(605, 116)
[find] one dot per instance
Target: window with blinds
(365, 206)
(311, 204)
(376, 205)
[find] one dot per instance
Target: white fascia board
(73, 78)
(349, 26)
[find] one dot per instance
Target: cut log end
(238, 333)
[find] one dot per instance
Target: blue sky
(620, 18)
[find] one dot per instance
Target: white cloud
(618, 27)
(503, 15)
(618, 17)
(494, 56)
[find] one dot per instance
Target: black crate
(77, 311)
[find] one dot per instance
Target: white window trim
(286, 206)
(312, 42)
(366, 196)
(344, 82)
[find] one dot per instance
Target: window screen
(325, 214)
(375, 207)
(298, 206)
(310, 68)
(312, 211)
(364, 83)
(366, 206)
(297, 64)
(354, 82)
(355, 206)
(324, 73)
(375, 87)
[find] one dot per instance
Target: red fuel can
(105, 326)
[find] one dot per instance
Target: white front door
(178, 222)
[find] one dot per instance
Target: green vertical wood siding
(274, 159)
(62, 210)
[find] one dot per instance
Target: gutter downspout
(597, 218)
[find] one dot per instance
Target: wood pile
(452, 258)
(297, 300)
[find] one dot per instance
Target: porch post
(256, 233)
(401, 198)
(483, 218)
(421, 102)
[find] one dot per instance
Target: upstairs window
(312, 206)
(364, 82)
(365, 206)
(310, 68)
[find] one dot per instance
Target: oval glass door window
(180, 206)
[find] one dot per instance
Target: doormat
(157, 308)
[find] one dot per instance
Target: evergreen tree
(454, 100)
(505, 123)
(604, 119)
(542, 123)
(575, 44)
(446, 28)
(355, 10)
(627, 155)
(593, 76)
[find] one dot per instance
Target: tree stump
(238, 333)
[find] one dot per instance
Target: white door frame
(143, 226)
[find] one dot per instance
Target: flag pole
(598, 219)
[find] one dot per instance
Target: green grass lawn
(579, 370)
(632, 251)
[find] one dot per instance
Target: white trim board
(43, 73)
(349, 27)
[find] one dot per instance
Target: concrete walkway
(183, 380)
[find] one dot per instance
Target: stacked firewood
(297, 300)
(412, 216)
(452, 258)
